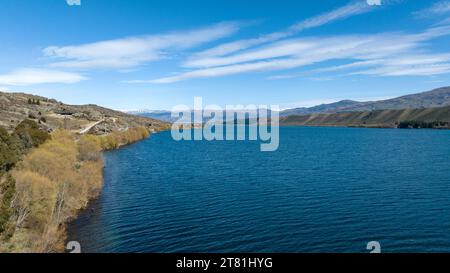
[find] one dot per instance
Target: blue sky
(139, 54)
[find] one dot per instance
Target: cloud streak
(31, 76)
(439, 8)
(134, 51)
(73, 2)
(386, 52)
(352, 9)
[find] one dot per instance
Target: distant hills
(323, 108)
(155, 114)
(429, 109)
(166, 115)
(427, 106)
(431, 106)
(430, 99)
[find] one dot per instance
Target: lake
(324, 190)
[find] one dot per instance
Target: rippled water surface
(324, 190)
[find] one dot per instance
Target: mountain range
(435, 98)
(431, 99)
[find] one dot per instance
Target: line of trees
(42, 188)
(25, 136)
(115, 140)
(33, 101)
(414, 124)
(52, 183)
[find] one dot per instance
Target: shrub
(36, 195)
(109, 142)
(117, 139)
(9, 151)
(54, 158)
(89, 148)
(7, 191)
(29, 133)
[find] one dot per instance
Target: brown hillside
(51, 115)
(378, 118)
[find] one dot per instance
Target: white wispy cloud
(402, 63)
(352, 9)
(438, 8)
(385, 51)
(73, 2)
(445, 21)
(134, 51)
(31, 76)
(408, 70)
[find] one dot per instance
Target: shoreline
(95, 197)
(107, 228)
(65, 174)
(359, 126)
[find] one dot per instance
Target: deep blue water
(324, 190)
